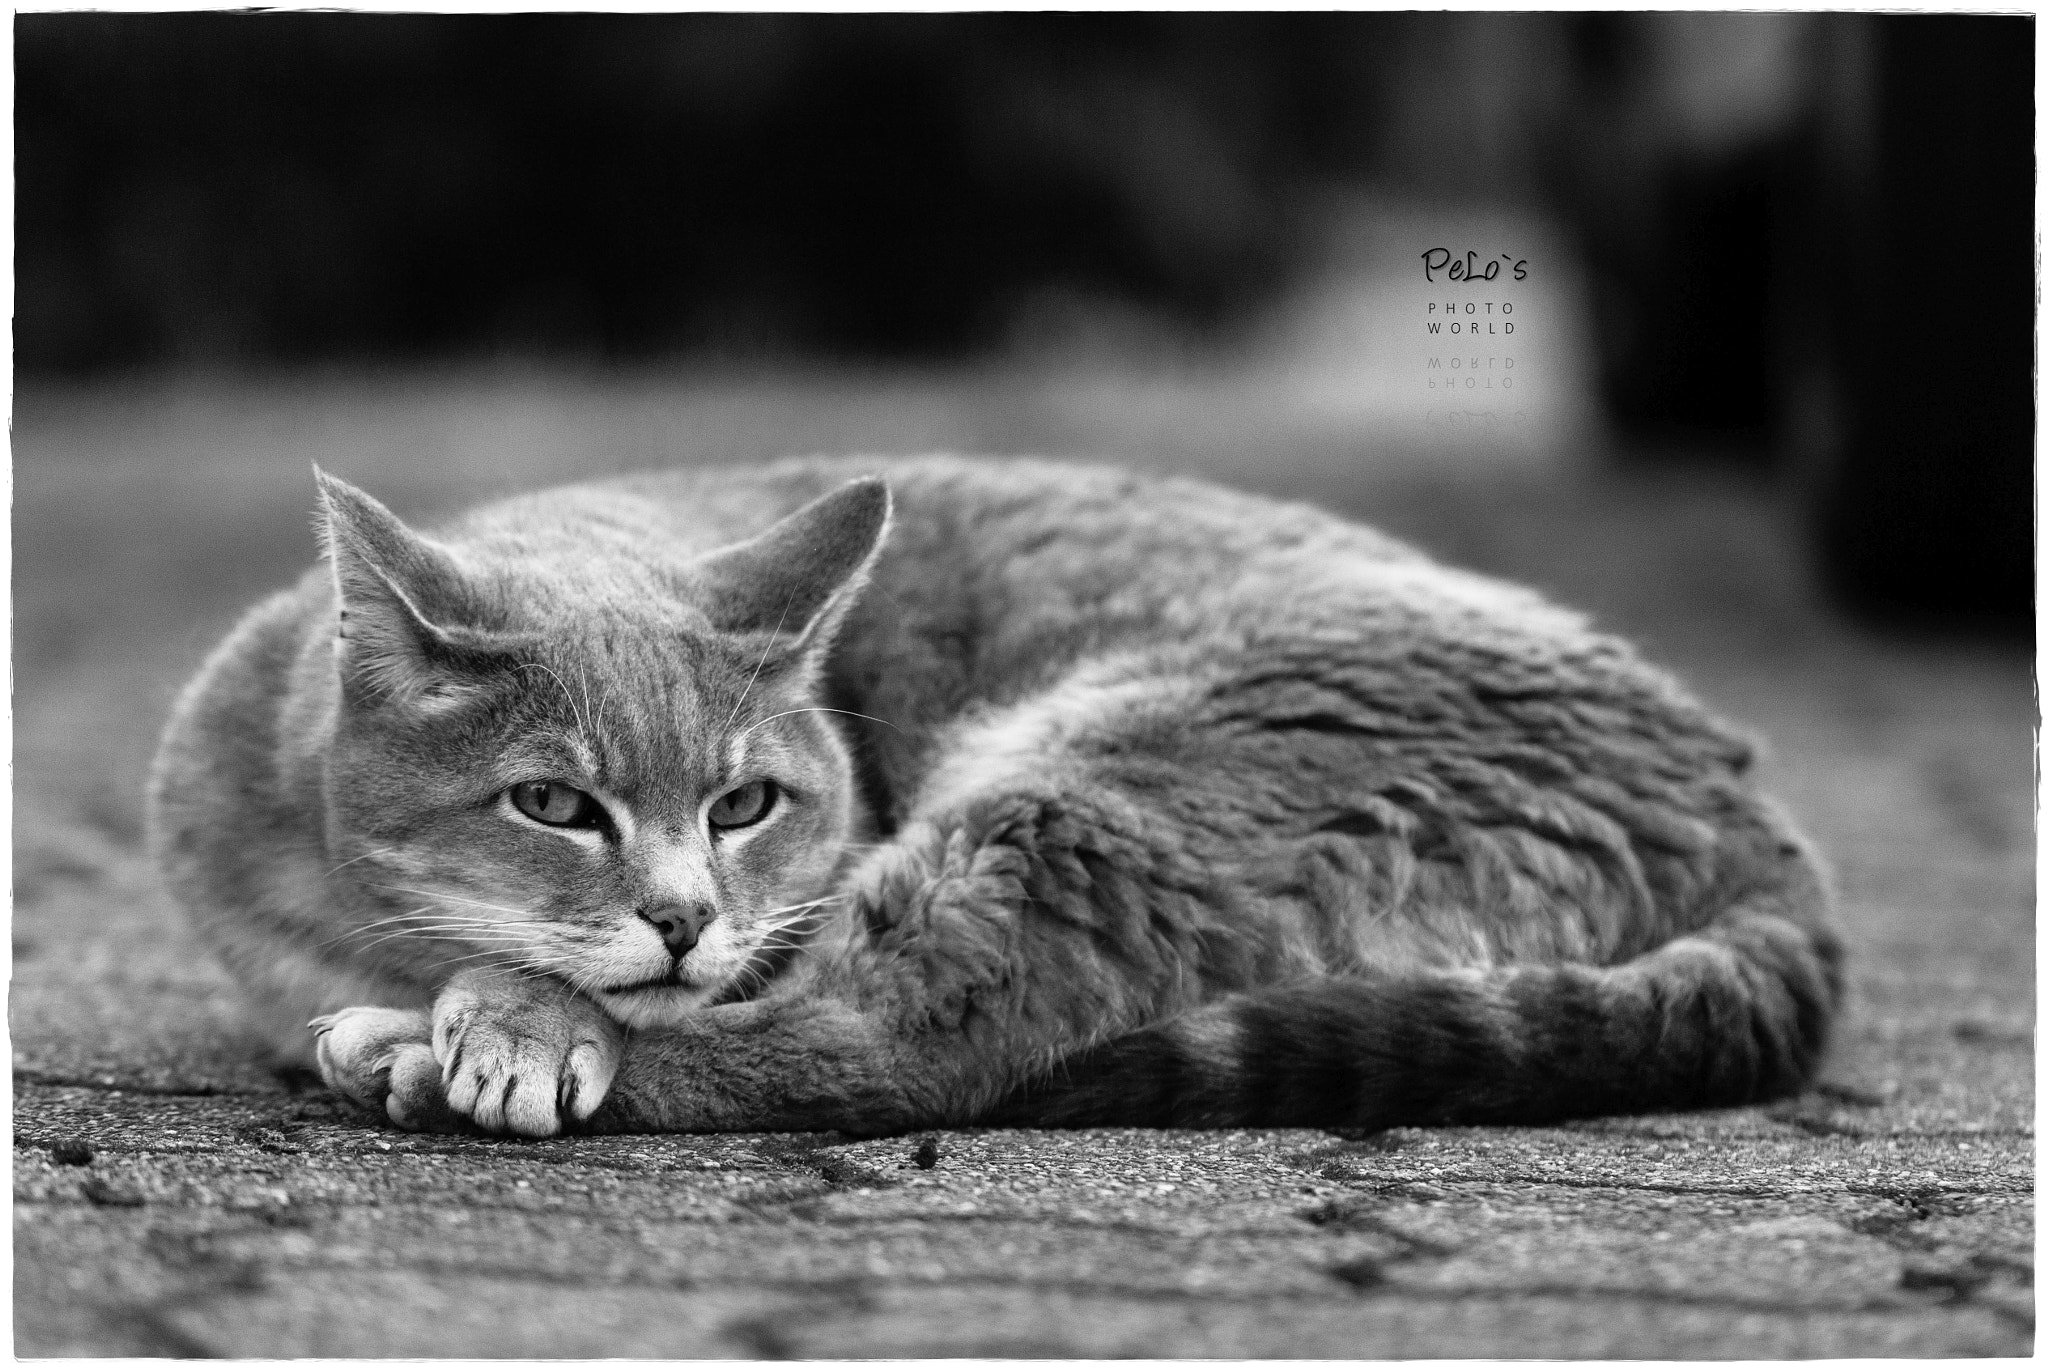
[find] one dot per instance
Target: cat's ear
(399, 598)
(797, 580)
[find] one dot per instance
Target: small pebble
(102, 1194)
(1363, 1272)
(71, 1153)
(927, 1153)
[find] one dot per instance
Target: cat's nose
(679, 924)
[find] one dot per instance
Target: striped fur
(1100, 800)
(1737, 1015)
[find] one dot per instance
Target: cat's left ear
(798, 579)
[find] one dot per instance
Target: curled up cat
(883, 795)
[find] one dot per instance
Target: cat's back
(999, 575)
(1020, 547)
(1064, 519)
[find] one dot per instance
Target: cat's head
(592, 759)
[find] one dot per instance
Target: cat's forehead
(641, 671)
(652, 707)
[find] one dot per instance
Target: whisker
(424, 934)
(546, 964)
(465, 936)
(435, 913)
(798, 911)
(466, 929)
(369, 927)
(813, 903)
(789, 930)
(583, 683)
(456, 929)
(540, 958)
(380, 851)
(788, 712)
(781, 938)
(581, 979)
(419, 919)
(581, 727)
(369, 946)
(778, 928)
(776, 942)
(416, 927)
(477, 955)
(756, 973)
(768, 647)
(775, 947)
(452, 898)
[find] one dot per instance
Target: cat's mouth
(673, 979)
(658, 999)
(653, 1003)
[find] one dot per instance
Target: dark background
(1784, 287)
(1830, 280)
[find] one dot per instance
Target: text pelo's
(1469, 267)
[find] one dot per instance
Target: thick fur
(1108, 800)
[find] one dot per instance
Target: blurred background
(1737, 355)
(1795, 243)
(1755, 380)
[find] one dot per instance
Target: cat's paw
(356, 1047)
(418, 1100)
(359, 1048)
(383, 1059)
(523, 1055)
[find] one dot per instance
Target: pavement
(175, 1198)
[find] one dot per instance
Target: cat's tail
(1734, 1013)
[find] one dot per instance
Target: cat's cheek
(719, 955)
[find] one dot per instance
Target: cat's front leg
(520, 1053)
(790, 1064)
(501, 1052)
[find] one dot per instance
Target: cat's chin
(658, 1005)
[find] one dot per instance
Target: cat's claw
(356, 1048)
(523, 1055)
(498, 1054)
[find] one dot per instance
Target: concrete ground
(172, 1197)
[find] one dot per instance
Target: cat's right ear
(393, 591)
(797, 580)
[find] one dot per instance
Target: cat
(883, 795)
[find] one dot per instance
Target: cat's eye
(557, 804)
(742, 807)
